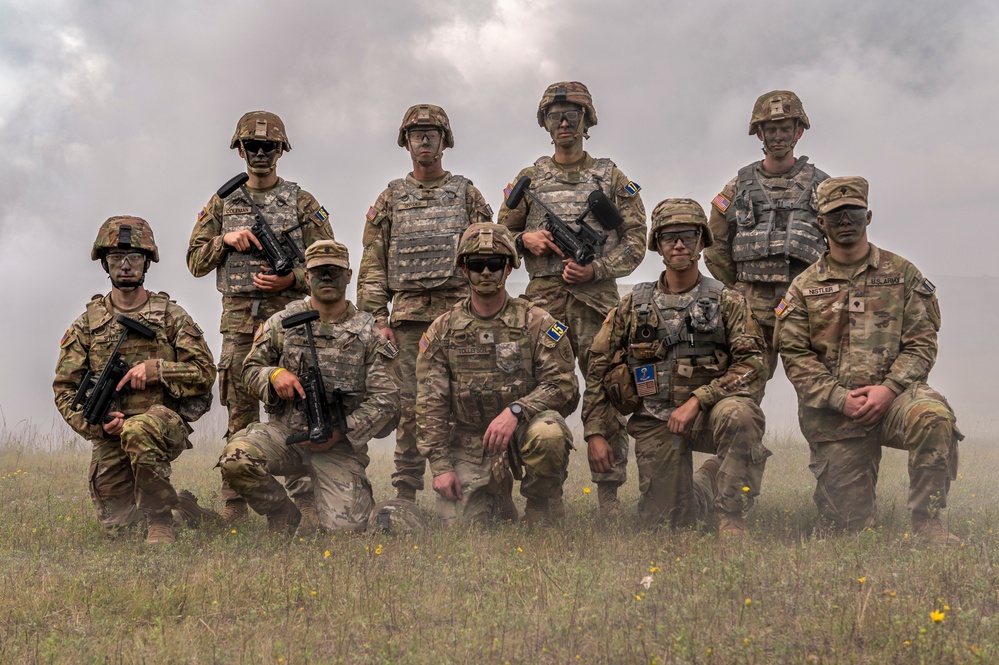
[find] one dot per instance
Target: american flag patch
(506, 192)
(721, 202)
(645, 380)
(424, 343)
(929, 286)
(201, 215)
(322, 215)
(372, 214)
(779, 309)
(65, 336)
(260, 331)
(632, 188)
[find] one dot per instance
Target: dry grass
(507, 594)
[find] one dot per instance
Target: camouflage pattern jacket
(374, 294)
(353, 357)
(626, 255)
(206, 252)
(842, 328)
(179, 363)
(470, 369)
(742, 371)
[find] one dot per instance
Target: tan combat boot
(537, 512)
(159, 528)
(309, 523)
(933, 531)
(610, 507)
(284, 520)
(406, 493)
(234, 511)
(190, 513)
(731, 526)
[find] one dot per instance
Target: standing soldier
(356, 364)
(763, 221)
(410, 244)
(858, 336)
(579, 295)
(684, 354)
(167, 385)
(494, 380)
(251, 293)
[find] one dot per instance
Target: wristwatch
(519, 243)
(517, 410)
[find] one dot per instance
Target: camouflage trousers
(130, 474)
(846, 472)
(256, 454)
(410, 465)
(543, 444)
(584, 323)
(244, 408)
(763, 299)
(669, 489)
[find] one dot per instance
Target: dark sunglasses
(494, 263)
(253, 147)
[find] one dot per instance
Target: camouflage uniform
(354, 358)
(668, 347)
(130, 474)
(564, 189)
(846, 327)
(428, 288)
(764, 224)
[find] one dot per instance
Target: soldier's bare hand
(389, 335)
(599, 454)
(853, 404)
(114, 426)
(573, 273)
(879, 398)
(325, 446)
(499, 432)
(241, 241)
(683, 416)
(448, 486)
(273, 283)
(540, 243)
(287, 385)
(136, 377)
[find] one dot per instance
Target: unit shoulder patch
(389, 350)
(631, 188)
(321, 215)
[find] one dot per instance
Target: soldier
(763, 221)
(354, 358)
(579, 295)
(858, 335)
(410, 240)
(684, 354)
(168, 385)
(494, 380)
(222, 241)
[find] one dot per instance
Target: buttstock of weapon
(88, 383)
(517, 193)
(299, 319)
(136, 327)
(232, 185)
(604, 210)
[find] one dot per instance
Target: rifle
(96, 394)
(580, 243)
(317, 408)
(280, 252)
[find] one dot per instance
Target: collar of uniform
(798, 165)
(347, 315)
(825, 271)
(585, 163)
(429, 184)
(664, 287)
(280, 181)
(510, 314)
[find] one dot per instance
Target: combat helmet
(125, 232)
(396, 516)
(568, 91)
(260, 126)
(487, 238)
(673, 212)
(426, 115)
(777, 105)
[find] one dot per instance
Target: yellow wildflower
(936, 616)
(862, 579)
(586, 490)
(326, 554)
(749, 601)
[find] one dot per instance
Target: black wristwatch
(519, 244)
(517, 410)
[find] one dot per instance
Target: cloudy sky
(109, 108)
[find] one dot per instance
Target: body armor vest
(491, 363)
(566, 194)
(677, 345)
(234, 277)
(104, 334)
(426, 227)
(775, 222)
(341, 348)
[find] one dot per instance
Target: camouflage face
(426, 115)
(672, 212)
(424, 144)
(124, 232)
(845, 226)
(487, 273)
(680, 245)
(486, 238)
(564, 121)
(261, 156)
(573, 92)
(260, 126)
(777, 105)
(328, 283)
(126, 269)
(780, 136)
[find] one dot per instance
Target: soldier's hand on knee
(273, 283)
(241, 241)
(499, 432)
(878, 399)
(134, 377)
(286, 384)
(599, 454)
(683, 416)
(573, 273)
(324, 446)
(853, 403)
(114, 426)
(448, 486)
(540, 243)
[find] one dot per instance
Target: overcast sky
(127, 108)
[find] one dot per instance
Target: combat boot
(309, 523)
(556, 506)
(188, 512)
(607, 499)
(159, 528)
(731, 526)
(932, 530)
(711, 467)
(406, 493)
(233, 511)
(284, 520)
(537, 512)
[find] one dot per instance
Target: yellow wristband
(275, 373)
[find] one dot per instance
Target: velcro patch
(260, 331)
(632, 188)
(65, 338)
(507, 190)
(488, 211)
(424, 343)
(783, 309)
(201, 215)
(645, 380)
(557, 330)
(390, 349)
(372, 214)
(201, 332)
(321, 215)
(929, 286)
(721, 202)
(821, 290)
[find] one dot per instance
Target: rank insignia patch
(392, 350)
(372, 214)
(321, 215)
(645, 380)
(632, 188)
(557, 330)
(721, 202)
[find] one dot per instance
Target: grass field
(507, 594)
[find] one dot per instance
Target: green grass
(505, 594)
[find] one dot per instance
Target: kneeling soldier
(683, 355)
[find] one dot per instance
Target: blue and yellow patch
(201, 215)
(391, 350)
(321, 215)
(929, 286)
(424, 343)
(721, 202)
(557, 331)
(488, 210)
(372, 214)
(632, 187)
(198, 329)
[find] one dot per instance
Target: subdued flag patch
(721, 202)
(632, 187)
(372, 214)
(321, 215)
(557, 330)
(424, 343)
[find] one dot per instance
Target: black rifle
(580, 243)
(317, 408)
(97, 394)
(281, 252)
